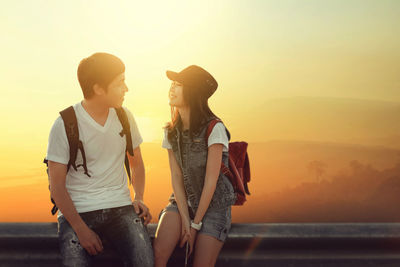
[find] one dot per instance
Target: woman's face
(176, 95)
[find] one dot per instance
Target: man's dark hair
(99, 68)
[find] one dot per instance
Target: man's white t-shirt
(217, 136)
(105, 154)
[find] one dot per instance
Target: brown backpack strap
(72, 131)
(80, 146)
(126, 130)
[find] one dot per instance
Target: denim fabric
(216, 223)
(191, 154)
(121, 227)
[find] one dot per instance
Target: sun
(150, 128)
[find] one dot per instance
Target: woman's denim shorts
(216, 223)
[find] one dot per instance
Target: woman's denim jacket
(191, 155)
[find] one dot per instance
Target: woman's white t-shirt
(218, 136)
(105, 155)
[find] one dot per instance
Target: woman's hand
(185, 232)
(192, 239)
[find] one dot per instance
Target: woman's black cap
(195, 77)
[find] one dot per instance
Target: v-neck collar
(94, 123)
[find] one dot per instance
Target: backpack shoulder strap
(211, 127)
(126, 130)
(71, 128)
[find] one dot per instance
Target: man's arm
(87, 238)
(138, 182)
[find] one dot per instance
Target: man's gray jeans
(121, 228)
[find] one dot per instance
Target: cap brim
(172, 75)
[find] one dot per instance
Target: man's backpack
(71, 129)
(239, 166)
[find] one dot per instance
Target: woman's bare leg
(167, 237)
(206, 250)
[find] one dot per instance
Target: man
(94, 200)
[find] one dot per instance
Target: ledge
(286, 244)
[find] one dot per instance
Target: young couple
(95, 207)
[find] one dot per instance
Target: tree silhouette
(317, 168)
(356, 166)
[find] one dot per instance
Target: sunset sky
(258, 51)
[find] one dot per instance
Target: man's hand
(90, 241)
(142, 210)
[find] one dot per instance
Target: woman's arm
(178, 186)
(213, 168)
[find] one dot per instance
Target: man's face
(116, 91)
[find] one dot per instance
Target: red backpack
(239, 166)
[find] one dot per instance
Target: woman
(199, 210)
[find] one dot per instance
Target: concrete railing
(286, 244)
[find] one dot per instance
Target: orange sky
(258, 51)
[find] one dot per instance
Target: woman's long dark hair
(200, 112)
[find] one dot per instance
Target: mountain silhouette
(342, 120)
